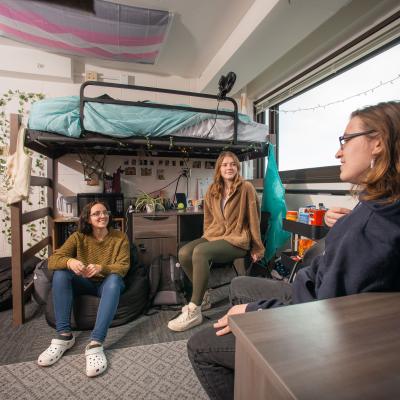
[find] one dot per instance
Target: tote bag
(15, 183)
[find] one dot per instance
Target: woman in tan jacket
(231, 228)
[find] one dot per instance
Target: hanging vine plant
(38, 165)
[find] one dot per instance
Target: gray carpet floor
(158, 371)
(26, 342)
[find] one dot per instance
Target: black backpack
(42, 278)
(166, 279)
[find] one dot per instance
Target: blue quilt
(61, 115)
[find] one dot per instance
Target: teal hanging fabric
(273, 201)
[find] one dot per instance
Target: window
(310, 123)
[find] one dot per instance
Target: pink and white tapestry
(113, 31)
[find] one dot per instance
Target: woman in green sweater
(92, 261)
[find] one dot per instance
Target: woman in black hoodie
(362, 249)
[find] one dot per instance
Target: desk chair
(239, 265)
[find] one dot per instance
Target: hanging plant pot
(150, 208)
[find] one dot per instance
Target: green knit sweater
(112, 253)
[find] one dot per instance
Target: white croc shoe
(190, 317)
(55, 351)
(96, 361)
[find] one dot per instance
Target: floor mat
(158, 371)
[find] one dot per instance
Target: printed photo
(161, 174)
(145, 171)
(196, 164)
(130, 171)
(209, 164)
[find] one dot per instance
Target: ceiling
(263, 41)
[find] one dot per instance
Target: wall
(133, 179)
(44, 80)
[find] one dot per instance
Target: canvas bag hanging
(15, 185)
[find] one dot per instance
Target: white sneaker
(206, 303)
(190, 317)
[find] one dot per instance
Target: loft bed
(230, 135)
(115, 127)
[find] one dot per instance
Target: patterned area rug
(158, 371)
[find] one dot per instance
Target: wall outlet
(91, 75)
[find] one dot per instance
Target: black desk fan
(225, 84)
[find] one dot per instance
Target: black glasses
(345, 138)
(97, 214)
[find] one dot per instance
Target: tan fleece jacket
(239, 224)
(112, 253)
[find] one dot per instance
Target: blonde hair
(217, 186)
(382, 181)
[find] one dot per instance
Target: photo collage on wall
(144, 167)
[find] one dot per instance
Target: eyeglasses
(345, 138)
(98, 214)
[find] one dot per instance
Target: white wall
(28, 77)
(70, 178)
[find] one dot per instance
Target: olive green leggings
(195, 258)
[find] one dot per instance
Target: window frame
(326, 174)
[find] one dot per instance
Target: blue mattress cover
(61, 115)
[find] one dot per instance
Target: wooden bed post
(50, 201)
(17, 272)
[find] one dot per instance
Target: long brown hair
(383, 180)
(84, 225)
(217, 186)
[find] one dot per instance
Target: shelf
(314, 232)
(64, 227)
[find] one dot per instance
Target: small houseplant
(149, 203)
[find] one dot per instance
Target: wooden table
(343, 348)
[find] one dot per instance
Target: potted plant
(148, 202)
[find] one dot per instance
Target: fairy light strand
(319, 106)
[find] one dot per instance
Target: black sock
(92, 346)
(65, 337)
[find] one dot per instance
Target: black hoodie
(362, 254)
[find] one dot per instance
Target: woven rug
(158, 371)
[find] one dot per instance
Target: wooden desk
(164, 232)
(343, 348)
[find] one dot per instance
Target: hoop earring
(372, 164)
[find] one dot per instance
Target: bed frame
(54, 145)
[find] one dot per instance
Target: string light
(319, 106)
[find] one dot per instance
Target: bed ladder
(17, 220)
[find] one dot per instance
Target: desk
(343, 348)
(164, 232)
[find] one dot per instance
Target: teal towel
(273, 201)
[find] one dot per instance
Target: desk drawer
(154, 226)
(149, 249)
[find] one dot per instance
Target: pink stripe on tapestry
(92, 51)
(38, 21)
